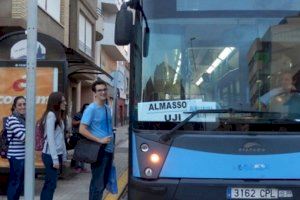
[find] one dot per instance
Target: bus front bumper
(204, 189)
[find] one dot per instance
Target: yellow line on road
(122, 182)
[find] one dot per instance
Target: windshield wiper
(171, 134)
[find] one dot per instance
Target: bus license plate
(252, 193)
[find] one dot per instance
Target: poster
(13, 83)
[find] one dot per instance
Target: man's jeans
(16, 178)
(50, 178)
(100, 172)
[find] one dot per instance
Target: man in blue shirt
(96, 125)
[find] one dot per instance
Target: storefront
(58, 69)
(50, 74)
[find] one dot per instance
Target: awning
(80, 66)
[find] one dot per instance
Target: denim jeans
(50, 178)
(100, 172)
(16, 178)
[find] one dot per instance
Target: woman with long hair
(15, 127)
(54, 150)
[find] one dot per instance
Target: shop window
(85, 35)
(52, 7)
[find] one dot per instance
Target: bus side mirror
(146, 41)
(123, 26)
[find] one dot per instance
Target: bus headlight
(154, 158)
(148, 172)
(144, 147)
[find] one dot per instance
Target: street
(76, 186)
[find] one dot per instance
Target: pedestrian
(96, 125)
(54, 150)
(79, 166)
(15, 127)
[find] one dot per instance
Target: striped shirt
(16, 136)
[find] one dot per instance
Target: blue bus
(214, 96)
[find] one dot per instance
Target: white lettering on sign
(175, 111)
(10, 99)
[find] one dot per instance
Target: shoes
(79, 170)
(84, 170)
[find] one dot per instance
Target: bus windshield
(205, 54)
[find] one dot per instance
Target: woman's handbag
(86, 151)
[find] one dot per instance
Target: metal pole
(115, 99)
(30, 96)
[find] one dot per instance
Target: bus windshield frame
(219, 59)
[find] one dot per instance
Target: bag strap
(106, 118)
(108, 125)
(114, 136)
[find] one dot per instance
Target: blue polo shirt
(99, 121)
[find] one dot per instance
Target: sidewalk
(76, 186)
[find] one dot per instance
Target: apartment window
(52, 7)
(85, 35)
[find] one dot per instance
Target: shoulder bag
(87, 150)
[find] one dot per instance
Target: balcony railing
(100, 12)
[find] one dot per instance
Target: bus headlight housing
(151, 155)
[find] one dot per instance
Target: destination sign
(175, 111)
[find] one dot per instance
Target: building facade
(76, 42)
(113, 59)
(67, 38)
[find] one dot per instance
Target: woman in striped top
(15, 126)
